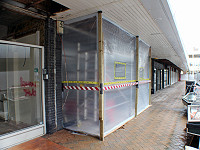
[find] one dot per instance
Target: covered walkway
(159, 127)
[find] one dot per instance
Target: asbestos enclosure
(80, 62)
(143, 100)
(119, 65)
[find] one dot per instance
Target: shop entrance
(21, 93)
(158, 79)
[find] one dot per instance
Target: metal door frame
(13, 138)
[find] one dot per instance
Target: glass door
(158, 79)
(21, 94)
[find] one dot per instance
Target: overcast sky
(186, 14)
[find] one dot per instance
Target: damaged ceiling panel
(35, 8)
(23, 17)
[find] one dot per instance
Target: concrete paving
(162, 126)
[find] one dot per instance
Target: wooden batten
(150, 75)
(137, 74)
(101, 75)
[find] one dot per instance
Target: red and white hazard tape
(118, 86)
(106, 88)
(81, 88)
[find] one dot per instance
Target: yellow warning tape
(108, 83)
(141, 79)
(83, 82)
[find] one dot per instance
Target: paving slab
(161, 126)
(39, 144)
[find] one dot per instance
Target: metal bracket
(137, 85)
(45, 74)
(101, 88)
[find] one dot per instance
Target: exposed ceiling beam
(34, 3)
(22, 10)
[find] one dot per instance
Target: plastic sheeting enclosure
(81, 64)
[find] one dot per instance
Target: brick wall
(49, 66)
(53, 86)
(59, 81)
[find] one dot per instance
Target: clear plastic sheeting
(80, 63)
(143, 61)
(119, 49)
(143, 97)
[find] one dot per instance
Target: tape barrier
(119, 86)
(118, 82)
(91, 82)
(106, 88)
(83, 82)
(81, 88)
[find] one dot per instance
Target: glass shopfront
(21, 89)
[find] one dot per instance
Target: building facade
(69, 65)
(194, 60)
(193, 74)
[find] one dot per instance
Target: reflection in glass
(20, 87)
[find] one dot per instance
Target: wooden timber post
(150, 75)
(137, 74)
(101, 75)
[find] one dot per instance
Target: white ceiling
(151, 20)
